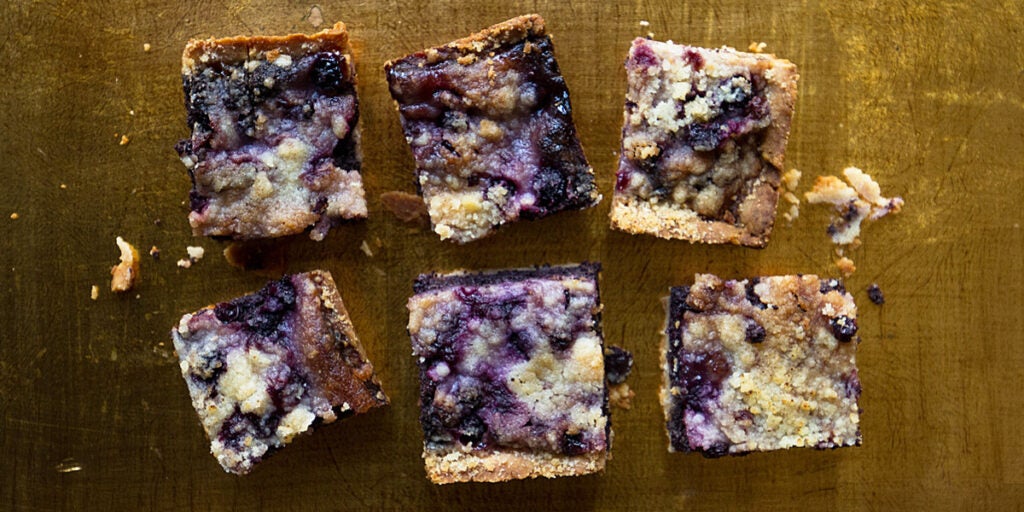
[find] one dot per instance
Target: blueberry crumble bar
(265, 367)
(760, 364)
(275, 143)
(512, 373)
(490, 126)
(703, 140)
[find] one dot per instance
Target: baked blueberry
(739, 377)
(512, 373)
(703, 141)
(490, 126)
(274, 148)
(265, 367)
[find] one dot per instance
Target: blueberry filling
(262, 312)
(618, 363)
(755, 332)
(875, 294)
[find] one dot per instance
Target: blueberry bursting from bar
(761, 364)
(703, 141)
(274, 149)
(490, 126)
(512, 373)
(266, 367)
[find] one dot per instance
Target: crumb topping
(761, 364)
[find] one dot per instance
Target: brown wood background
(925, 96)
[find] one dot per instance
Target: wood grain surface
(926, 96)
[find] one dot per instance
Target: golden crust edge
(500, 466)
(238, 48)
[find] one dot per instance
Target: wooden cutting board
(926, 97)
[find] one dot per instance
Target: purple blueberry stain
(755, 332)
(843, 327)
(875, 294)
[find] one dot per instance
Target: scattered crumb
(365, 247)
(131, 112)
(154, 252)
(846, 266)
(645, 23)
(94, 293)
(14, 216)
(68, 465)
(63, 186)
(195, 253)
(146, 47)
(757, 47)
(791, 179)
(407, 207)
(861, 199)
(621, 396)
(125, 140)
(264, 257)
(315, 16)
(875, 294)
(124, 275)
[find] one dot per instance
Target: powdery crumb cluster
(854, 202)
(791, 180)
(195, 253)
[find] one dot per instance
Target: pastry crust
(445, 467)
(239, 48)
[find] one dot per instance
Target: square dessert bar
(760, 364)
(512, 376)
(703, 141)
(275, 142)
(265, 367)
(491, 130)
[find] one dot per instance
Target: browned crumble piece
(125, 274)
(703, 142)
(490, 126)
(275, 144)
(761, 364)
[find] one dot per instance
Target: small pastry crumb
(791, 180)
(14, 216)
(365, 247)
(124, 275)
(195, 254)
(154, 252)
(407, 207)
(94, 293)
(756, 47)
(621, 396)
(875, 294)
(125, 140)
(146, 47)
(846, 266)
(63, 186)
